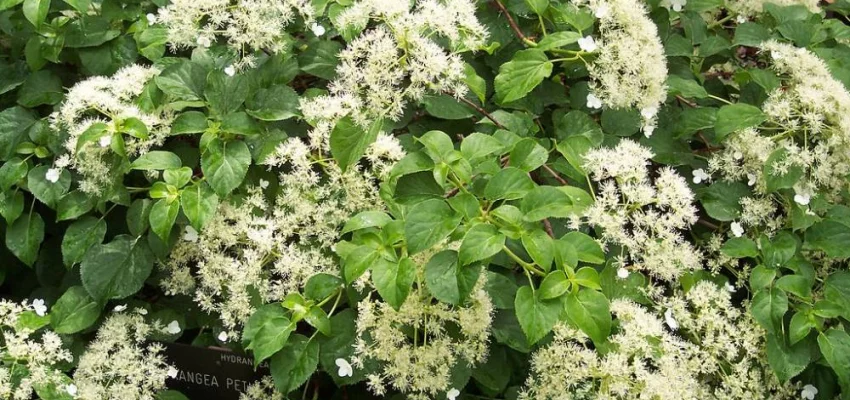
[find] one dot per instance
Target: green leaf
(292, 366)
(267, 331)
(739, 247)
(393, 280)
(837, 290)
(768, 307)
(41, 87)
(588, 277)
(480, 242)
(788, 361)
(778, 250)
(751, 34)
(138, 216)
(799, 327)
(721, 200)
(358, 261)
(320, 59)
(12, 172)
(427, 223)
(80, 237)
(35, 11)
(199, 203)
(225, 94)
(554, 285)
(478, 145)
(449, 281)
(762, 277)
(536, 316)
(321, 286)
(117, 269)
(225, 164)
(73, 205)
(831, 237)
(476, 84)
(577, 133)
(528, 155)
(366, 219)
(523, 73)
(183, 81)
(14, 123)
(275, 103)
(74, 311)
(687, 88)
(538, 6)
(162, 217)
(796, 284)
(156, 160)
(835, 346)
(588, 250)
(558, 39)
(540, 247)
(189, 122)
(349, 141)
(508, 184)
(734, 117)
(24, 237)
(589, 311)
(44, 190)
(318, 318)
(546, 202)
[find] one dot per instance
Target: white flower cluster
(808, 126)
(645, 216)
(619, 78)
(751, 8)
(398, 60)
(421, 368)
(109, 101)
(246, 24)
(29, 359)
(120, 363)
(646, 361)
(262, 389)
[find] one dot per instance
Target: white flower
(587, 44)
(39, 307)
(802, 199)
(142, 311)
(105, 140)
(173, 328)
(741, 19)
(71, 389)
(700, 175)
(622, 273)
(344, 368)
(730, 288)
(190, 234)
(204, 41)
(808, 392)
(151, 18)
(671, 322)
(649, 112)
(230, 71)
(738, 155)
(317, 29)
(602, 11)
(172, 372)
(677, 5)
(737, 229)
(452, 394)
(52, 175)
(593, 101)
(648, 130)
(119, 308)
(751, 179)
(222, 336)
(264, 183)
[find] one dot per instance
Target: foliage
(538, 199)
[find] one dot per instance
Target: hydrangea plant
(427, 199)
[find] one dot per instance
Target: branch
(555, 175)
(481, 111)
(514, 26)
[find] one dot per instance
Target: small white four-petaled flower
(105, 140)
(190, 234)
(172, 372)
(119, 308)
(622, 273)
(52, 175)
(71, 389)
(151, 18)
(230, 71)
(802, 199)
(678, 5)
(204, 41)
(700, 176)
(39, 307)
(730, 288)
(173, 327)
(317, 29)
(737, 229)
(264, 183)
(809, 392)
(593, 101)
(587, 44)
(452, 394)
(671, 322)
(602, 11)
(345, 368)
(222, 336)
